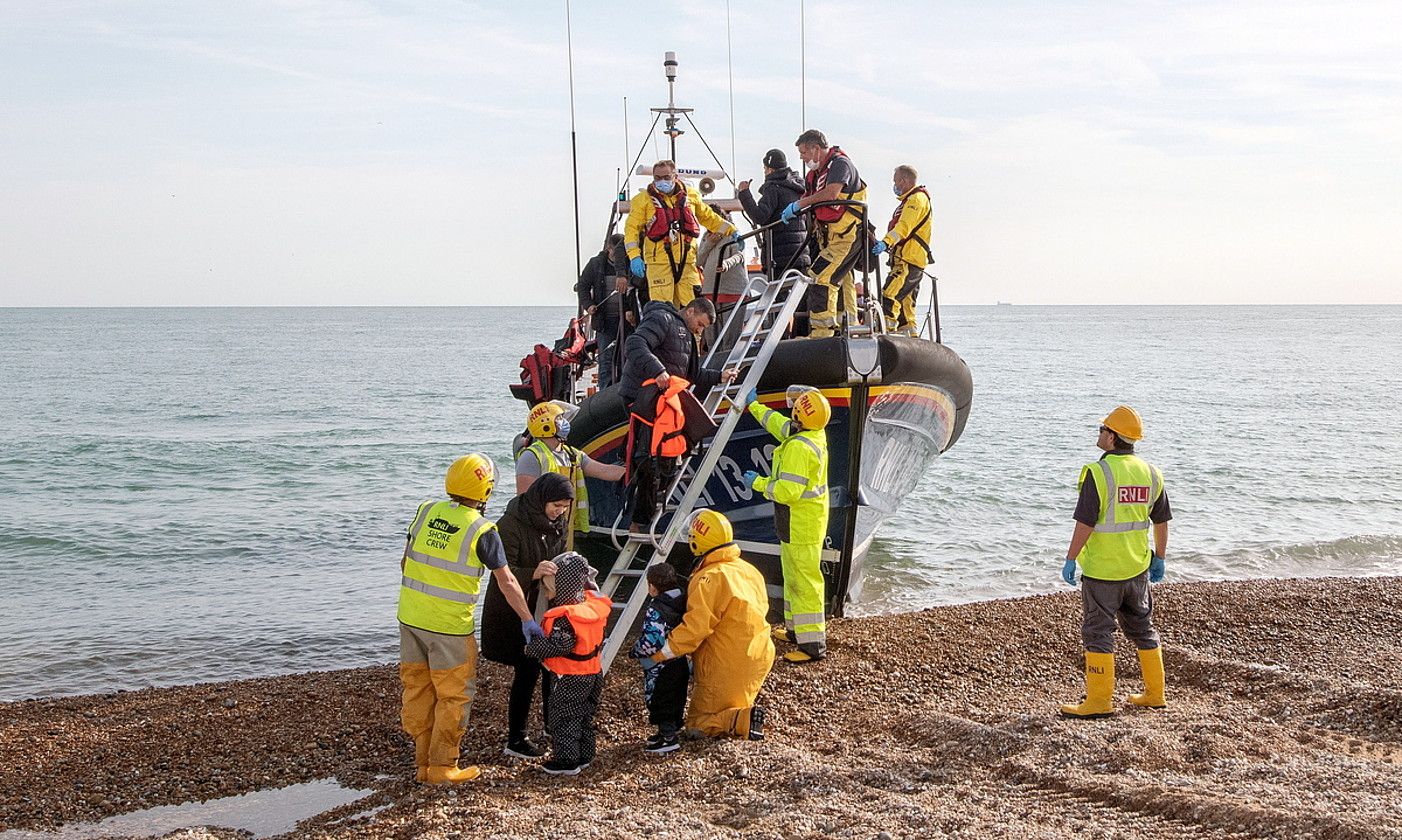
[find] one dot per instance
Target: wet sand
(1285, 719)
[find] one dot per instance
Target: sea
(191, 495)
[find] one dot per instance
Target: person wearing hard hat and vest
(908, 240)
(725, 632)
(449, 547)
(798, 487)
(831, 175)
(1122, 499)
(574, 635)
(548, 452)
(664, 221)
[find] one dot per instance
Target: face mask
(810, 165)
(665, 186)
(897, 190)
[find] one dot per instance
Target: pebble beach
(1284, 720)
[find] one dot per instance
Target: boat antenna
(802, 71)
(730, 70)
(627, 173)
(669, 66)
(574, 145)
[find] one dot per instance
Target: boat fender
(863, 361)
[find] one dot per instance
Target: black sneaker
(559, 768)
(523, 748)
(660, 743)
(757, 723)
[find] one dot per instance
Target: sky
(418, 153)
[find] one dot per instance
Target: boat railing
(875, 320)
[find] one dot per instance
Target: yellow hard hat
(1125, 422)
(709, 529)
(471, 477)
(810, 408)
(543, 421)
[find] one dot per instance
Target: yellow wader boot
(450, 775)
(421, 756)
(1100, 688)
(1151, 663)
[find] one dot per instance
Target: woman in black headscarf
(532, 531)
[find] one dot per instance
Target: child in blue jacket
(664, 685)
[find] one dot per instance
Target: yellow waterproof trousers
(439, 673)
(832, 273)
(661, 286)
(724, 692)
(898, 296)
(804, 616)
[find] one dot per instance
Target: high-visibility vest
(1128, 486)
(442, 572)
(588, 620)
(568, 462)
(818, 178)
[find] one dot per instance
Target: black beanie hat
(774, 159)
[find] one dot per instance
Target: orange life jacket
(588, 620)
(667, 218)
(669, 420)
(818, 178)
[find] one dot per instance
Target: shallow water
(263, 813)
(205, 494)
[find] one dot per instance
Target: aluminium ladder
(763, 329)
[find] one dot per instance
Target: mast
(669, 66)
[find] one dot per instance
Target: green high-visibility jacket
(1128, 486)
(798, 483)
(442, 572)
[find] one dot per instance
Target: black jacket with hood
(662, 342)
(528, 538)
(781, 188)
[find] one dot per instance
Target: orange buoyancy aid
(672, 217)
(818, 178)
(588, 620)
(669, 420)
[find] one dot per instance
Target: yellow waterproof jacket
(798, 484)
(655, 253)
(909, 236)
(726, 632)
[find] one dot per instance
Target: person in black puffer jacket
(532, 531)
(782, 186)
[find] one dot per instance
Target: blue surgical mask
(664, 186)
(897, 190)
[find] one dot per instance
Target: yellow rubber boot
(1100, 688)
(450, 775)
(421, 756)
(1151, 663)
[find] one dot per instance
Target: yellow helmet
(708, 530)
(471, 477)
(810, 408)
(1125, 422)
(544, 421)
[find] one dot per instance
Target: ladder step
(629, 573)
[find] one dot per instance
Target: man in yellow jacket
(798, 487)
(663, 223)
(725, 632)
(450, 546)
(908, 241)
(1122, 498)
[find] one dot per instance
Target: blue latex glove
(1068, 571)
(789, 213)
(636, 266)
(1155, 569)
(879, 248)
(749, 478)
(735, 237)
(531, 630)
(751, 398)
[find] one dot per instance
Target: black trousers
(574, 699)
(652, 476)
(666, 707)
(518, 707)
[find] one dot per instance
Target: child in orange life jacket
(664, 685)
(574, 636)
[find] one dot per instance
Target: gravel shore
(1285, 719)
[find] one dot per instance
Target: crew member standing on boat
(549, 453)
(601, 300)
(831, 176)
(908, 240)
(1122, 498)
(449, 547)
(798, 487)
(661, 231)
